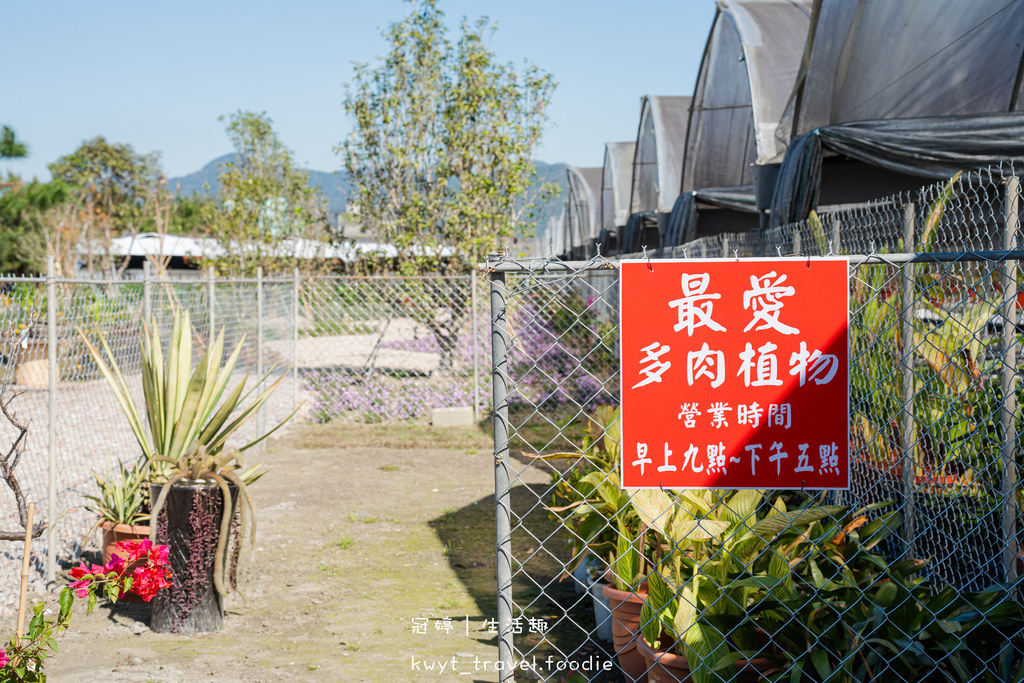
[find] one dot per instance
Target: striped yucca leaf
(184, 407)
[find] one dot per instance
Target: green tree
(267, 214)
(40, 219)
(440, 154)
(111, 181)
(188, 214)
(10, 147)
(36, 219)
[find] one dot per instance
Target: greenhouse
(554, 237)
(869, 116)
(751, 60)
(657, 162)
(616, 181)
(582, 215)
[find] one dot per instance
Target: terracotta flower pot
(666, 667)
(625, 607)
(113, 533)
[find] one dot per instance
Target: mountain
(337, 188)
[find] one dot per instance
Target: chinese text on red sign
(735, 374)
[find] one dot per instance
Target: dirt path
(361, 531)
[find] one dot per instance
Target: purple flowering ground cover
(562, 358)
(382, 398)
(562, 361)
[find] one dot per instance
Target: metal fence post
(260, 414)
(502, 500)
(147, 293)
(211, 280)
(836, 248)
(1008, 450)
(476, 350)
(51, 418)
(295, 339)
(907, 431)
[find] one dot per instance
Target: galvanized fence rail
(360, 349)
(911, 574)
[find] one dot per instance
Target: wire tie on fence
(736, 253)
(830, 252)
(648, 257)
(778, 250)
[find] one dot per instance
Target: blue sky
(158, 75)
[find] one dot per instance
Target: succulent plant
(183, 408)
(189, 420)
(199, 466)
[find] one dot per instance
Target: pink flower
(148, 580)
(160, 555)
(133, 550)
(3, 658)
(85, 576)
(116, 565)
(146, 564)
(81, 588)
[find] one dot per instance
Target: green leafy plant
(720, 554)
(874, 622)
(123, 498)
(589, 501)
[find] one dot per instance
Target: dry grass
(530, 434)
(392, 435)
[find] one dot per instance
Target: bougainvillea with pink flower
(138, 567)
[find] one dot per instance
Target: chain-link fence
(911, 574)
(345, 348)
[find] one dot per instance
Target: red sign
(735, 374)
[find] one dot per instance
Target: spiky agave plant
(181, 405)
(188, 422)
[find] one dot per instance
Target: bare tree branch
(8, 462)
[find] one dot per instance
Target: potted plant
(200, 502)
(122, 506)
(589, 501)
(719, 555)
(190, 414)
(879, 622)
